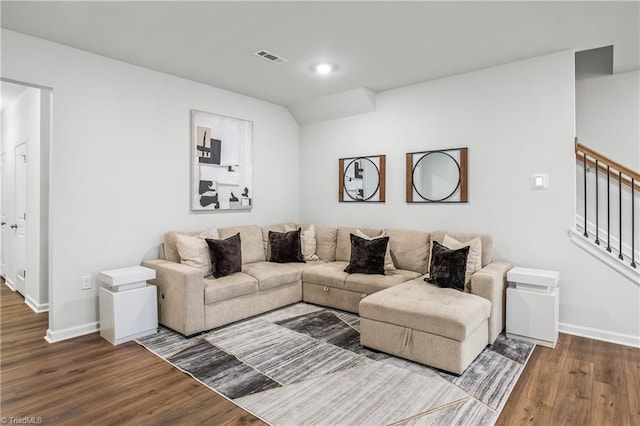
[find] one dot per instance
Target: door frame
(44, 244)
(3, 220)
(20, 249)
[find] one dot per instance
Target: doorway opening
(25, 140)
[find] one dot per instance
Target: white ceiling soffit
(594, 62)
(338, 105)
(376, 45)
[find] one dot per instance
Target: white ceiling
(375, 45)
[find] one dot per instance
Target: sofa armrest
(180, 295)
(490, 283)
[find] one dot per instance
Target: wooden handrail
(604, 161)
(613, 174)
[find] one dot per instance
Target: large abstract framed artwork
(362, 179)
(222, 162)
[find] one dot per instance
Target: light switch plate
(540, 181)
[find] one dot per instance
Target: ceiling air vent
(271, 57)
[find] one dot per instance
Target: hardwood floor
(580, 382)
(87, 380)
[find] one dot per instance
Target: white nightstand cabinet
(128, 306)
(533, 299)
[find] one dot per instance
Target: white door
(21, 218)
(3, 216)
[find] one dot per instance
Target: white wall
(607, 120)
(607, 111)
(516, 119)
(120, 164)
(21, 122)
(120, 170)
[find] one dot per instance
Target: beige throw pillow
(307, 241)
(194, 251)
(388, 261)
(474, 259)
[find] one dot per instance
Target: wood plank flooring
(580, 382)
(87, 380)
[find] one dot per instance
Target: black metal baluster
(584, 167)
(620, 256)
(608, 211)
(597, 240)
(633, 228)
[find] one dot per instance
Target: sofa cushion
(325, 242)
(474, 259)
(234, 285)
(278, 227)
(426, 307)
(194, 251)
(343, 241)
(409, 249)
(367, 284)
(388, 260)
(272, 275)
(487, 242)
(367, 255)
(329, 274)
(170, 249)
(307, 239)
(448, 266)
(285, 246)
(226, 255)
(252, 245)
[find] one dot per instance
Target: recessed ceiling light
(323, 68)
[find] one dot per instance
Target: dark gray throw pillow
(448, 266)
(226, 255)
(367, 256)
(285, 247)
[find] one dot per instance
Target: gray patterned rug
(303, 365)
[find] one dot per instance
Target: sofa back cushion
(487, 242)
(170, 249)
(325, 242)
(251, 242)
(343, 241)
(410, 249)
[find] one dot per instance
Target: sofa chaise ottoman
(440, 327)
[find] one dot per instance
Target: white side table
(128, 306)
(533, 299)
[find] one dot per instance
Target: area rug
(303, 365)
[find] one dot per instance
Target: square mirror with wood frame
(362, 179)
(438, 176)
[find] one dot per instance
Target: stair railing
(616, 172)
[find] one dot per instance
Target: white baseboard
(10, 285)
(36, 307)
(54, 336)
(604, 335)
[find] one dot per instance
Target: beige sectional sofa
(190, 303)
